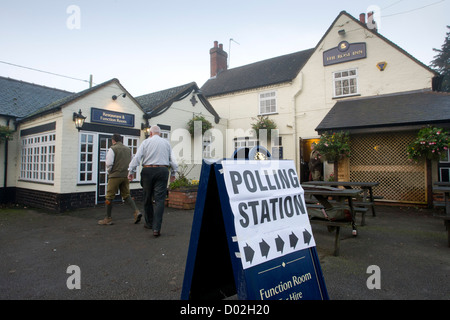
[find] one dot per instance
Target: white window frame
(165, 134)
(268, 102)
(245, 142)
(87, 158)
(342, 80)
(38, 157)
(445, 160)
(132, 143)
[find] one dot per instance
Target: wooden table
(444, 187)
(340, 195)
(366, 187)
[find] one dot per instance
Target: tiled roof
(152, 101)
(277, 70)
(56, 104)
(259, 74)
(400, 109)
(157, 103)
(19, 99)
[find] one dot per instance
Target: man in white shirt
(157, 156)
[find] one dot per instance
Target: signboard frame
(214, 269)
(112, 117)
(344, 52)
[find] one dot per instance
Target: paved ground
(125, 261)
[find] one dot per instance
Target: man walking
(157, 156)
(117, 160)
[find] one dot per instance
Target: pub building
(56, 157)
(354, 80)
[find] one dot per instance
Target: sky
(156, 45)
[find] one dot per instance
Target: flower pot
(182, 198)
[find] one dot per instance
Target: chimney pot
(362, 18)
(219, 59)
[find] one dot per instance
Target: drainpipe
(5, 177)
(294, 126)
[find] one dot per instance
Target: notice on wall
(269, 210)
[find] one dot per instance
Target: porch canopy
(381, 128)
(392, 112)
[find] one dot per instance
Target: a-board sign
(251, 230)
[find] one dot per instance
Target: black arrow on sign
(306, 236)
(293, 240)
(249, 253)
(264, 248)
(280, 244)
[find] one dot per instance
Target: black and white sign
(269, 210)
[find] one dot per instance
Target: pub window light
(78, 118)
(146, 128)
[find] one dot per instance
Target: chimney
(218, 59)
(362, 18)
(371, 23)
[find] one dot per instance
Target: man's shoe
(156, 233)
(137, 217)
(106, 221)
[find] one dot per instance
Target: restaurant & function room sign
(251, 227)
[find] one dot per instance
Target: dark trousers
(154, 182)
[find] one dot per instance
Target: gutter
(294, 126)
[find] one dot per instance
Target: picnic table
(444, 187)
(366, 187)
(342, 197)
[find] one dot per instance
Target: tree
(441, 63)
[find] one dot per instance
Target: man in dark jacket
(117, 160)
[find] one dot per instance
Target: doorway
(104, 143)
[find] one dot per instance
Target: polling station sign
(268, 206)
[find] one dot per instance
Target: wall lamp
(78, 118)
(114, 97)
(341, 32)
(146, 128)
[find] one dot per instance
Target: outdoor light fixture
(341, 32)
(78, 118)
(114, 97)
(146, 128)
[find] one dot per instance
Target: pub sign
(344, 52)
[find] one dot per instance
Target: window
(345, 83)
(132, 143)
(165, 134)
(244, 142)
(38, 158)
(86, 160)
(444, 168)
(267, 102)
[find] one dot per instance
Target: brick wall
(53, 201)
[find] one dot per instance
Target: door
(104, 143)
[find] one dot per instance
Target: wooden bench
(337, 225)
(317, 197)
(359, 209)
(366, 188)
